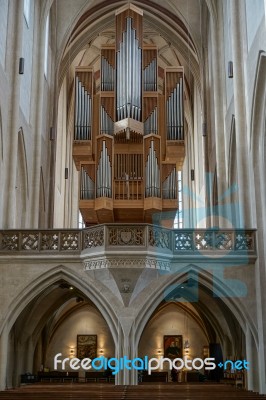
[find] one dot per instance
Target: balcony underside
(105, 210)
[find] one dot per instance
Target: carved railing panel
(245, 240)
(224, 240)
(50, 241)
(203, 240)
(9, 241)
(159, 237)
(30, 241)
(70, 241)
(41, 241)
(126, 235)
(184, 240)
(93, 237)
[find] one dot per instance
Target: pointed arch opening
(47, 318)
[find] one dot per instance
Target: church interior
(132, 201)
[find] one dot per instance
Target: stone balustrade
(129, 237)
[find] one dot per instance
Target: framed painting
(86, 346)
(173, 346)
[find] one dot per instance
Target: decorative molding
(93, 237)
(126, 236)
(159, 237)
(104, 263)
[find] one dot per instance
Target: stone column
(29, 353)
(243, 172)
(217, 69)
(38, 71)
(125, 348)
(13, 55)
(250, 383)
(3, 359)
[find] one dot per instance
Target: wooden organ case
(129, 130)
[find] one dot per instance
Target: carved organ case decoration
(128, 129)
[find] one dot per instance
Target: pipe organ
(128, 129)
(86, 185)
(83, 105)
(174, 106)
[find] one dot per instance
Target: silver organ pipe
(107, 124)
(85, 118)
(174, 113)
(86, 186)
(76, 132)
(151, 123)
(170, 186)
(152, 187)
(181, 128)
(79, 110)
(104, 174)
(83, 112)
(150, 76)
(107, 75)
(128, 78)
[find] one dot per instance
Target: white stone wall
(172, 320)
(85, 321)
(254, 16)
(3, 30)
(27, 54)
(227, 48)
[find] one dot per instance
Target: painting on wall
(86, 346)
(173, 346)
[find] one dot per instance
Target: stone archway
(224, 318)
(31, 310)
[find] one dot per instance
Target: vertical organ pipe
(174, 113)
(128, 58)
(152, 184)
(86, 116)
(107, 75)
(181, 109)
(104, 174)
(79, 111)
(76, 109)
(83, 112)
(150, 76)
(86, 186)
(170, 186)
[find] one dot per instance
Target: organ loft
(129, 130)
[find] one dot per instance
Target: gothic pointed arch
(224, 295)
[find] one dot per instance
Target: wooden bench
(155, 377)
(99, 377)
(58, 376)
